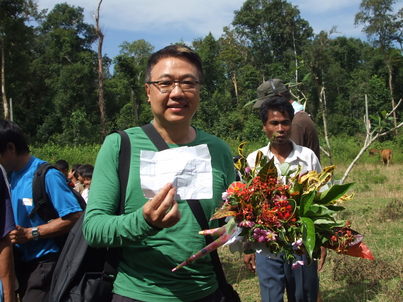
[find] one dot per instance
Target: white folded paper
(187, 168)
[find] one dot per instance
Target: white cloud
(197, 16)
(325, 6)
(162, 22)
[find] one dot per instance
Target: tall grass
(80, 154)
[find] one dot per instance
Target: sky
(162, 22)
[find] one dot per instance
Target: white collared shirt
(299, 155)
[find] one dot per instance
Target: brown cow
(386, 156)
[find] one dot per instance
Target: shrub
(83, 154)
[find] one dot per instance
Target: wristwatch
(35, 233)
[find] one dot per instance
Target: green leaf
(268, 170)
(335, 208)
(308, 235)
(306, 202)
(319, 210)
(284, 167)
(324, 221)
(334, 193)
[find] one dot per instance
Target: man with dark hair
(33, 236)
(159, 233)
(85, 177)
(7, 276)
(276, 274)
(303, 131)
(62, 166)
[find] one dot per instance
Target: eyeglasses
(167, 86)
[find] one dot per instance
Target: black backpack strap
(124, 167)
(42, 204)
(155, 137)
(198, 212)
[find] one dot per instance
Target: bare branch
(370, 136)
(324, 151)
(394, 109)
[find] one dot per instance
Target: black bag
(230, 295)
(43, 206)
(41, 201)
(84, 273)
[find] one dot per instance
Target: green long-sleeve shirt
(148, 255)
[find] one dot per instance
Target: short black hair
(276, 103)
(176, 51)
(85, 171)
(62, 165)
(10, 132)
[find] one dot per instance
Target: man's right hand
(162, 210)
(250, 262)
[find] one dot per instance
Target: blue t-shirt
(62, 198)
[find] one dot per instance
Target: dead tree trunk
(390, 82)
(235, 83)
(101, 97)
(295, 57)
(6, 108)
(322, 100)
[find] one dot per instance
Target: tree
(130, 67)
(275, 32)
(14, 37)
(233, 54)
(66, 65)
(384, 29)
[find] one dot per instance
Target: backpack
(41, 201)
(43, 206)
(83, 273)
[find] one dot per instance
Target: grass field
(376, 212)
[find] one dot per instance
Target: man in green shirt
(159, 233)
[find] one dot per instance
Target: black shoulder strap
(124, 167)
(155, 137)
(194, 205)
(40, 198)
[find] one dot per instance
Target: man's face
(177, 106)
(9, 158)
(277, 127)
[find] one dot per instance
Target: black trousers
(34, 278)
(214, 297)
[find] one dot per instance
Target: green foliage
(80, 154)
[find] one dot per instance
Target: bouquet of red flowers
(284, 213)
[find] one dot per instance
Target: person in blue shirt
(34, 238)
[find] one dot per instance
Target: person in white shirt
(276, 274)
(85, 178)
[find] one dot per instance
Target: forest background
(49, 71)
